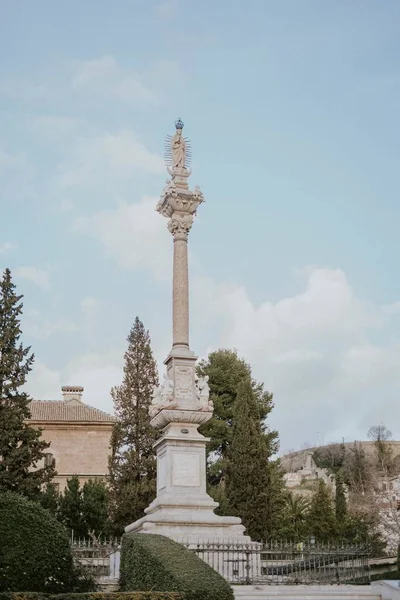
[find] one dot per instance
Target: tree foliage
(340, 501)
(295, 517)
(70, 511)
(226, 371)
(253, 485)
(381, 437)
(95, 508)
(35, 554)
(22, 450)
(321, 522)
(330, 457)
(84, 511)
(132, 462)
(50, 499)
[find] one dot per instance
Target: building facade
(79, 435)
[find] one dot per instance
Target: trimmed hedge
(35, 553)
(386, 575)
(91, 596)
(154, 562)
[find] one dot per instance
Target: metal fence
(98, 557)
(271, 563)
(277, 563)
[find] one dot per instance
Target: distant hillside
(293, 462)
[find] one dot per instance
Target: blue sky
(292, 109)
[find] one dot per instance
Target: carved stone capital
(180, 225)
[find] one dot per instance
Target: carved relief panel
(184, 377)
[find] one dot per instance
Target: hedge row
(35, 552)
(155, 562)
(92, 596)
(385, 575)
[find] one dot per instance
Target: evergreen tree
(132, 461)
(364, 527)
(95, 508)
(252, 488)
(225, 371)
(50, 499)
(321, 515)
(21, 449)
(71, 508)
(340, 501)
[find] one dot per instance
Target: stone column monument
(182, 508)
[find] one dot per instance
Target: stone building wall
(78, 449)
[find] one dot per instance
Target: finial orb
(179, 124)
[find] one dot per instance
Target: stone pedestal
(182, 508)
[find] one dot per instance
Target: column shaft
(180, 294)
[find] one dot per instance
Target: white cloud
(316, 351)
(66, 205)
(106, 77)
(5, 247)
(95, 159)
(166, 9)
(44, 383)
(133, 234)
(97, 373)
(54, 126)
(40, 327)
(89, 305)
(10, 162)
(37, 276)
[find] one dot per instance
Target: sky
(292, 109)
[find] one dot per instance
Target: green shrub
(154, 562)
(23, 596)
(91, 596)
(386, 575)
(35, 554)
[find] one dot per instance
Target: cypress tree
(71, 509)
(321, 515)
(132, 462)
(50, 499)
(226, 370)
(340, 501)
(252, 488)
(21, 449)
(95, 508)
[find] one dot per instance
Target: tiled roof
(59, 410)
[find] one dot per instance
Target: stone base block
(191, 525)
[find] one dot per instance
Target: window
(49, 460)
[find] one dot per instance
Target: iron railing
(271, 563)
(100, 557)
(287, 563)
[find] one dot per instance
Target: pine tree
(71, 509)
(225, 371)
(132, 461)
(340, 501)
(21, 449)
(321, 515)
(254, 487)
